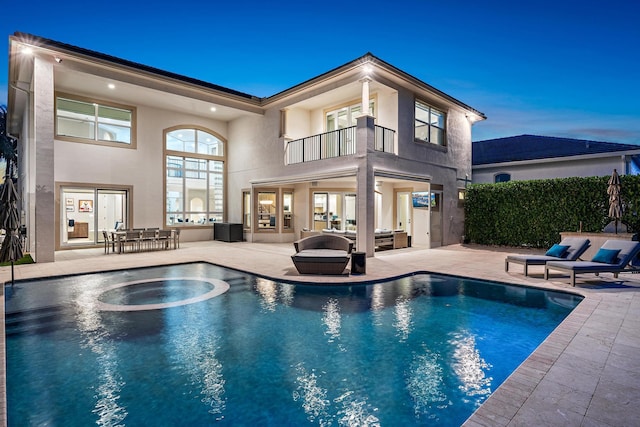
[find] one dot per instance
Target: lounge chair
(322, 254)
(612, 257)
(569, 249)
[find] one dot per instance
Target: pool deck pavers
(586, 373)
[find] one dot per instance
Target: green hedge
(533, 213)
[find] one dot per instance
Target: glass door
(86, 211)
(78, 217)
(350, 212)
(320, 202)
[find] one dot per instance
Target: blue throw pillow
(607, 256)
(557, 251)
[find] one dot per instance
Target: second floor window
(429, 124)
(345, 117)
(79, 119)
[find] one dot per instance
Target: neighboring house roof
(534, 147)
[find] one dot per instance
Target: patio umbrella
(615, 206)
(11, 249)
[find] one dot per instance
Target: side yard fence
(533, 213)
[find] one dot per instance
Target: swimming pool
(198, 344)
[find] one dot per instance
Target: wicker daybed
(322, 254)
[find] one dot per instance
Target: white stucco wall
(142, 167)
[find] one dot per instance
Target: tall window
(429, 124)
(246, 209)
(194, 177)
(82, 119)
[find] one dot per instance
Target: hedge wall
(533, 213)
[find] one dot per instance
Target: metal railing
(385, 139)
(336, 143)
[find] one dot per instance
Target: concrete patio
(586, 373)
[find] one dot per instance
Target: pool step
(37, 320)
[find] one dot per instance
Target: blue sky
(557, 68)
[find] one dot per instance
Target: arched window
(194, 176)
(502, 177)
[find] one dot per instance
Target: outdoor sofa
(322, 254)
(613, 256)
(383, 237)
(569, 249)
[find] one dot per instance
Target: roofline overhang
(558, 159)
(86, 58)
(91, 62)
(357, 67)
(98, 58)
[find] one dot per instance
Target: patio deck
(586, 373)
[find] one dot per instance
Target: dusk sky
(555, 68)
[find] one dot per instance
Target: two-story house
(103, 140)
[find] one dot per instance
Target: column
(365, 95)
(43, 113)
(365, 186)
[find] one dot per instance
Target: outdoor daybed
(322, 254)
(612, 257)
(569, 249)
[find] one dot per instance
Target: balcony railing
(336, 143)
(385, 139)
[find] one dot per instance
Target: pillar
(365, 186)
(43, 128)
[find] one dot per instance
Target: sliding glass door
(86, 211)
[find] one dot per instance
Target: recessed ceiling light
(213, 108)
(26, 50)
(111, 86)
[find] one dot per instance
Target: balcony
(336, 143)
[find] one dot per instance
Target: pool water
(421, 350)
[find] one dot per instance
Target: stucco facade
(258, 135)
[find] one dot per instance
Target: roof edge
(46, 43)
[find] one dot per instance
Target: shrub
(533, 213)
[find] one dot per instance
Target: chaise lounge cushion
(321, 255)
(576, 247)
(627, 251)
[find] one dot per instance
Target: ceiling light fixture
(111, 86)
(26, 50)
(213, 108)
(57, 59)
